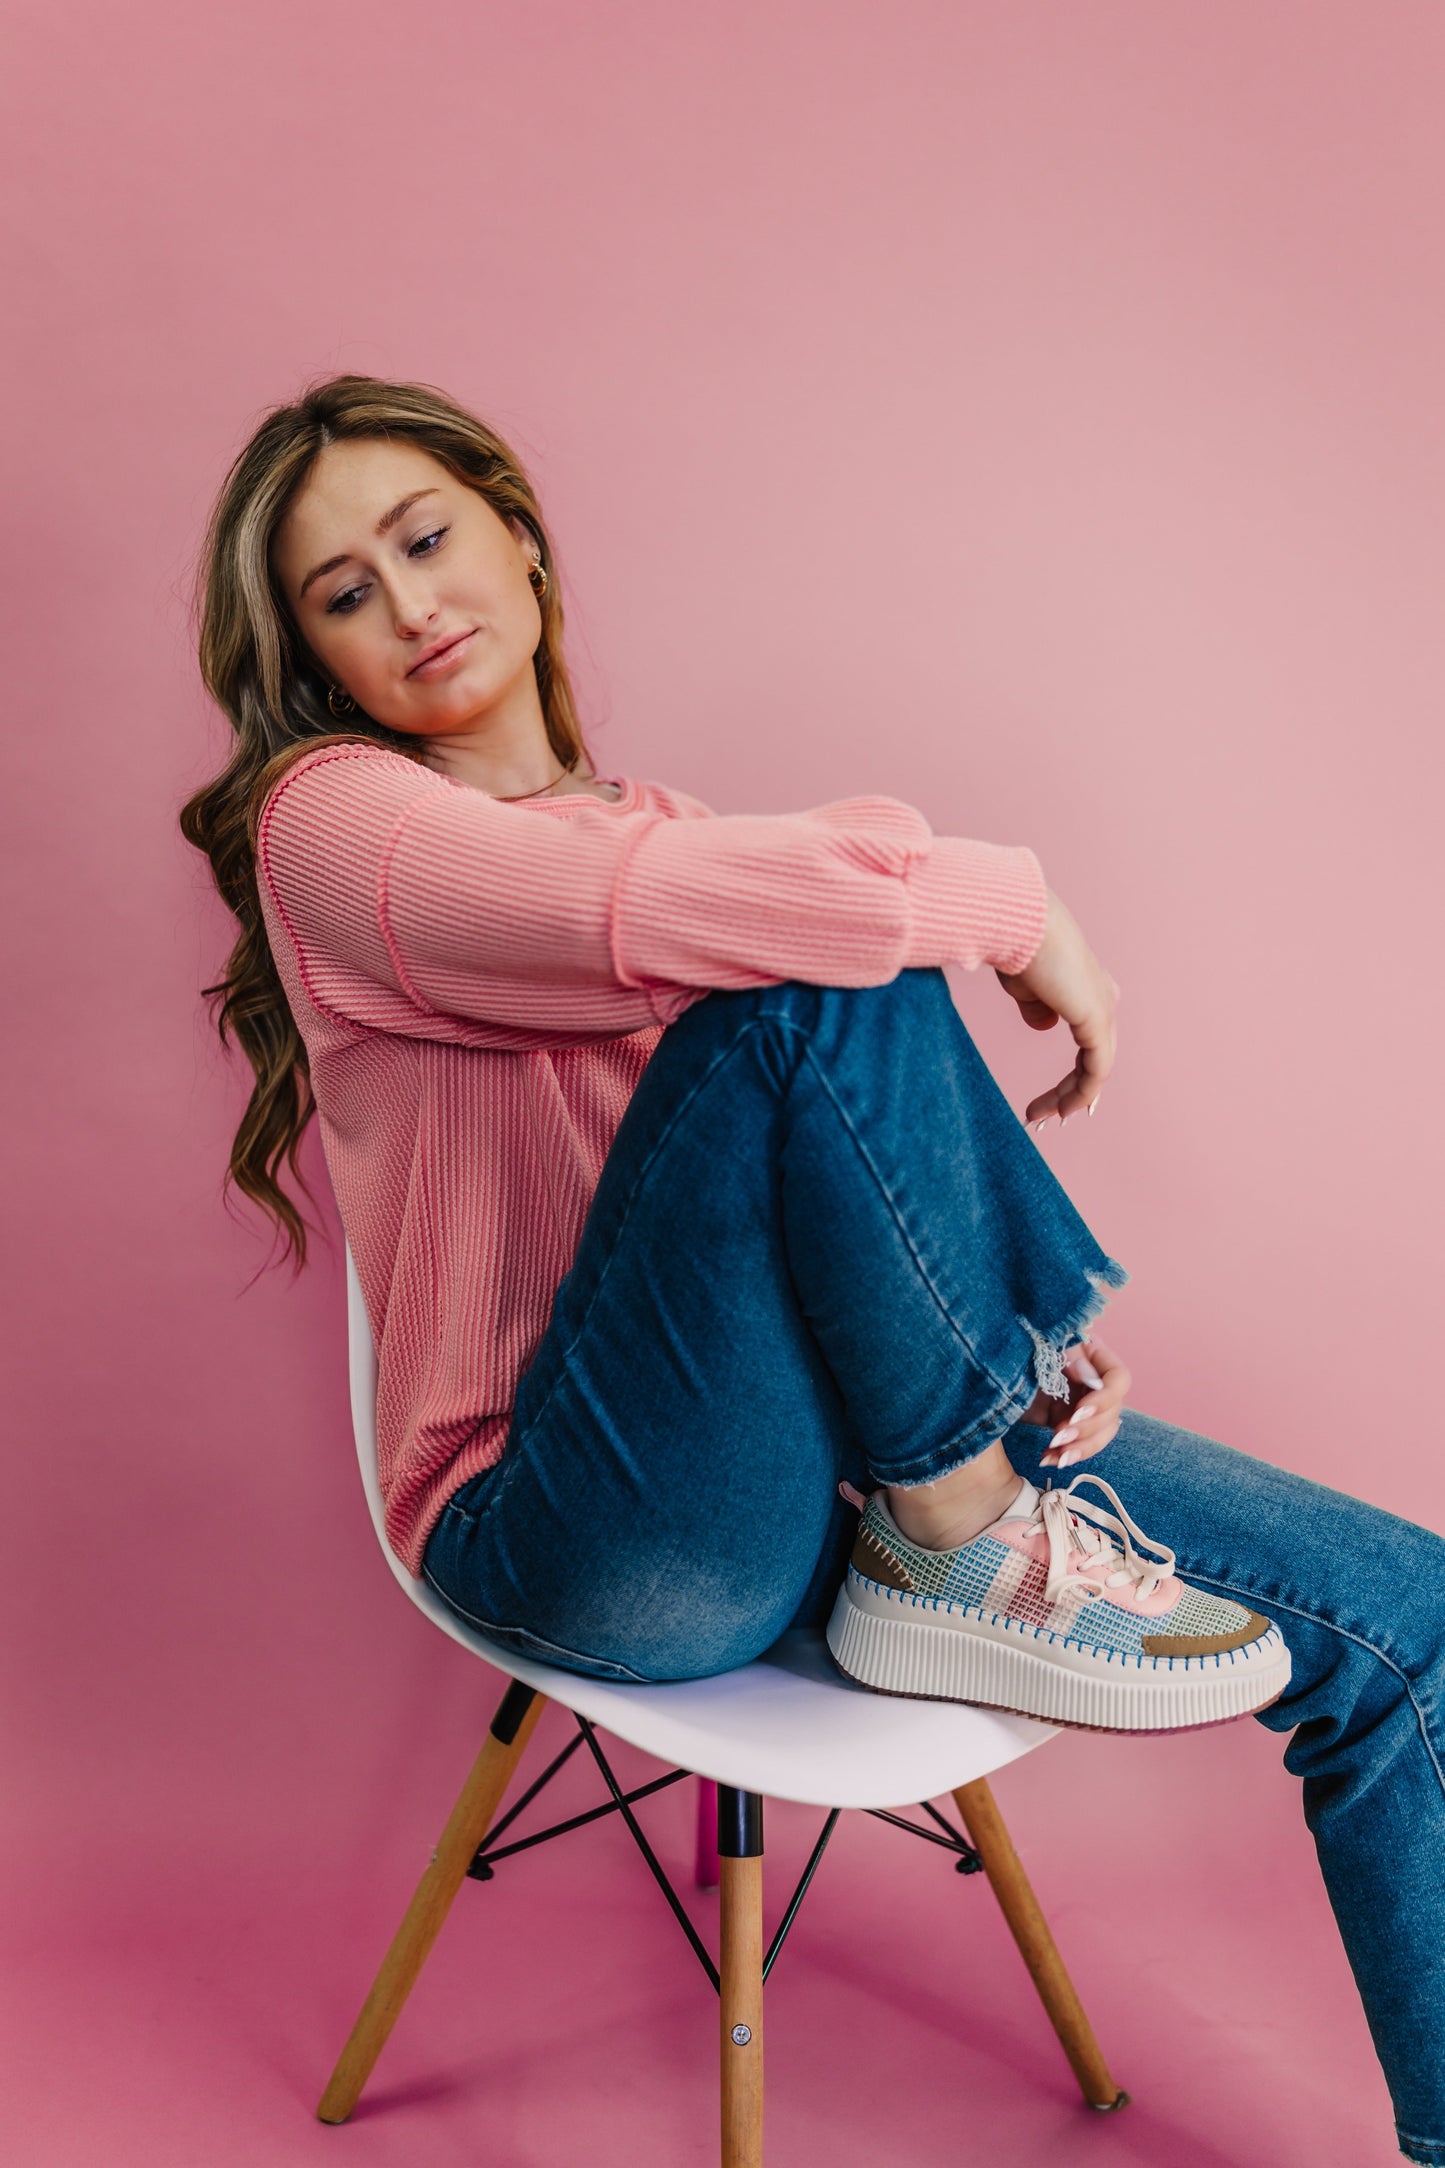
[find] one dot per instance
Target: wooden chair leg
(740, 1907)
(471, 1817)
(1030, 1930)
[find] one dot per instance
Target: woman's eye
(343, 604)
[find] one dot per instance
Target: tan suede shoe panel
(872, 1560)
(1205, 1644)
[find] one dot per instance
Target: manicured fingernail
(1083, 1413)
(1087, 1374)
(1094, 1102)
(1068, 1460)
(1065, 1437)
(1040, 1124)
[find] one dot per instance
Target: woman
(686, 1211)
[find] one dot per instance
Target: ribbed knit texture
(480, 985)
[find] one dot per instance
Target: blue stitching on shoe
(1008, 1621)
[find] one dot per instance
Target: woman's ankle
(960, 1505)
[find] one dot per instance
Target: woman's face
(387, 559)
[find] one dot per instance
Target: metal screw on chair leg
(740, 1967)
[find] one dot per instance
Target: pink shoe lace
(1077, 1528)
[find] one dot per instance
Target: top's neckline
(627, 798)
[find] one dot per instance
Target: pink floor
(168, 2009)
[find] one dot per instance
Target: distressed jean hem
(1044, 1374)
(1429, 2152)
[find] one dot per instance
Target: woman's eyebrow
(387, 521)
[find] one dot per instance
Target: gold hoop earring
(537, 574)
(345, 706)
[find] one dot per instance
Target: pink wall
(1033, 411)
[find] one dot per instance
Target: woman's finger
(1076, 1092)
(1078, 1366)
(1105, 1383)
(1084, 1447)
(1064, 979)
(1037, 1013)
(1111, 1366)
(1087, 1428)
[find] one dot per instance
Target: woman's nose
(413, 605)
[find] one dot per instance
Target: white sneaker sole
(899, 1643)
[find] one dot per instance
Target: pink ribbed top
(479, 987)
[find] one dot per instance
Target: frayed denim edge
(1051, 1348)
(1044, 1364)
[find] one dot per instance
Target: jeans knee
(1402, 1571)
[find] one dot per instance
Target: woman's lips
(436, 664)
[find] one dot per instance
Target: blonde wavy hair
(262, 675)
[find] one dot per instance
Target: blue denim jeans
(824, 1246)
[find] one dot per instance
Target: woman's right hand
(1064, 978)
(1101, 1382)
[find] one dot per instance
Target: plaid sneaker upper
(1005, 1574)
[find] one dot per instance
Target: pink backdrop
(1032, 411)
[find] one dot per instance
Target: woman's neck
(506, 753)
(516, 771)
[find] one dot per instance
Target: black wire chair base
(484, 1864)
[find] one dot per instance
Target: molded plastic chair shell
(789, 1725)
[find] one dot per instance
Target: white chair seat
(788, 1726)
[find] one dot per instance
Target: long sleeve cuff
(976, 903)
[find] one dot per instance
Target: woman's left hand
(1101, 1382)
